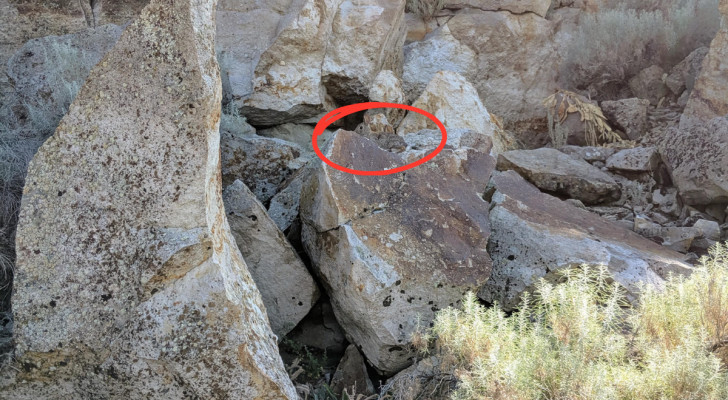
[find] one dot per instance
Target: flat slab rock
(129, 283)
(556, 172)
(535, 234)
(287, 288)
(393, 247)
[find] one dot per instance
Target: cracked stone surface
(129, 283)
(535, 234)
(393, 247)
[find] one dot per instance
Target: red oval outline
(336, 114)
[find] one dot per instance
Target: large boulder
(390, 248)
(697, 157)
(439, 51)
(367, 37)
(129, 283)
(629, 115)
(287, 288)
(245, 29)
(454, 101)
(709, 97)
(517, 65)
(287, 81)
(538, 7)
(534, 235)
(556, 172)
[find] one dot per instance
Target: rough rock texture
(287, 84)
(454, 101)
(589, 154)
(682, 76)
(261, 163)
(648, 84)
(697, 157)
(376, 128)
(538, 7)
(287, 288)
(245, 29)
(534, 234)
(637, 159)
(367, 37)
(628, 115)
(556, 172)
(517, 65)
(439, 51)
(709, 97)
(129, 283)
(392, 247)
(283, 208)
(387, 88)
(24, 20)
(351, 375)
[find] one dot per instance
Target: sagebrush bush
(613, 44)
(580, 339)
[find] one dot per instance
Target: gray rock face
(629, 115)
(391, 247)
(261, 163)
(351, 375)
(589, 154)
(683, 76)
(288, 290)
(697, 157)
(534, 235)
(648, 84)
(638, 159)
(129, 283)
(556, 172)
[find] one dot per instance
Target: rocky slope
(179, 238)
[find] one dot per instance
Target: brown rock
(392, 247)
(648, 84)
(351, 375)
(628, 115)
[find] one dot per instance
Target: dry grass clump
(581, 340)
(426, 9)
(562, 103)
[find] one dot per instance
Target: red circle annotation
(341, 112)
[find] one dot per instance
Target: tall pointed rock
(129, 283)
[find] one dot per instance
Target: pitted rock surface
(392, 247)
(129, 283)
(534, 235)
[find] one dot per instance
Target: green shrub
(613, 44)
(580, 339)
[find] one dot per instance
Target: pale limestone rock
(245, 29)
(387, 88)
(439, 51)
(287, 83)
(454, 101)
(556, 172)
(367, 37)
(288, 290)
(129, 283)
(709, 97)
(538, 7)
(533, 235)
(392, 247)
